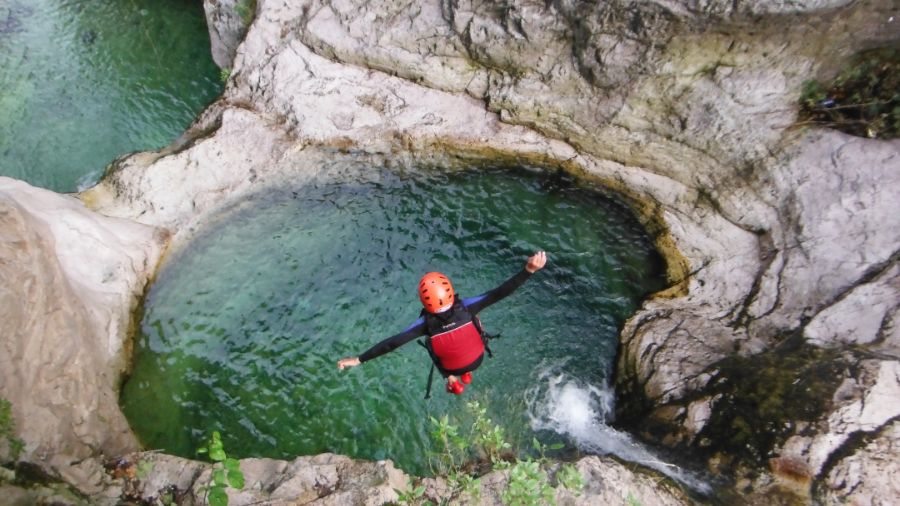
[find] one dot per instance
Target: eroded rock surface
(329, 479)
(71, 280)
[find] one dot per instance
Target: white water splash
(562, 404)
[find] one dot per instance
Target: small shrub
(226, 471)
(528, 486)
(411, 495)
(451, 458)
(246, 9)
(863, 100)
(489, 438)
(570, 478)
(8, 430)
(485, 442)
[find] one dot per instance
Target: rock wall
(227, 21)
(774, 234)
(326, 479)
(71, 281)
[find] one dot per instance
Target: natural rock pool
(243, 326)
(85, 82)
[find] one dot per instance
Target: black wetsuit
(434, 323)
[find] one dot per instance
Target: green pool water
(242, 329)
(82, 82)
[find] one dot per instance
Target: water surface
(243, 327)
(82, 82)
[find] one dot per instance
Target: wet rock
(864, 404)
(869, 474)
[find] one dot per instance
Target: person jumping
(456, 341)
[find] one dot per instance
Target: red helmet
(435, 292)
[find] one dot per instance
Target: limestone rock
(864, 404)
(320, 479)
(71, 279)
(687, 109)
(869, 475)
(227, 21)
(338, 480)
(864, 315)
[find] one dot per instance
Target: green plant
(144, 468)
(226, 471)
(489, 438)
(541, 448)
(570, 478)
(863, 100)
(631, 500)
(812, 94)
(462, 483)
(452, 446)
(246, 9)
(486, 442)
(411, 495)
(451, 458)
(8, 430)
(224, 74)
(528, 485)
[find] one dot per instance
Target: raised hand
(348, 362)
(536, 262)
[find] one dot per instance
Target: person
(456, 341)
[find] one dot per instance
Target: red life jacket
(459, 347)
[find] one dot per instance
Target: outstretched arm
(385, 346)
(535, 263)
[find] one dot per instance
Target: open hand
(536, 262)
(348, 362)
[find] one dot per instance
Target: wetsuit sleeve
(476, 304)
(392, 343)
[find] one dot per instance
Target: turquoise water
(242, 329)
(82, 82)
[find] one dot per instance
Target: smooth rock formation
(71, 281)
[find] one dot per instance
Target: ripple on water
(242, 328)
(84, 82)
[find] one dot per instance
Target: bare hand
(348, 362)
(536, 262)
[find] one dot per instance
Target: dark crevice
(768, 253)
(854, 442)
(762, 397)
(871, 274)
